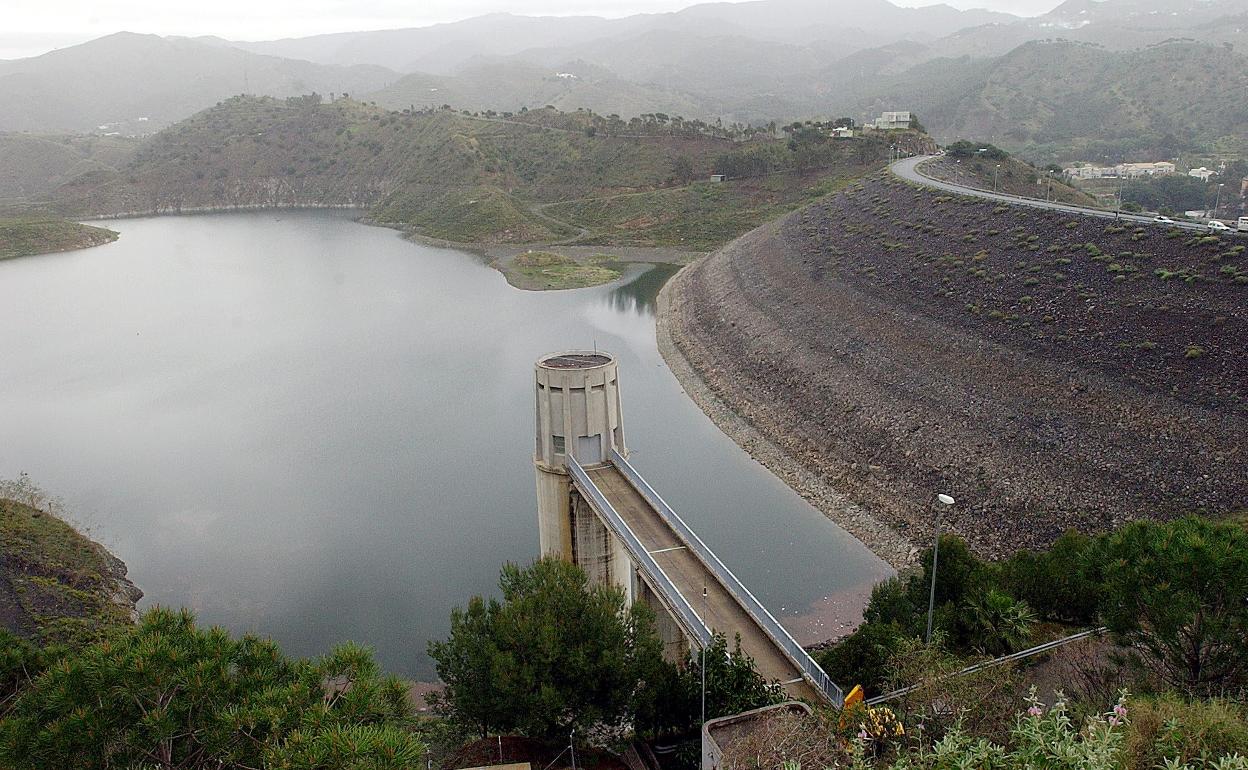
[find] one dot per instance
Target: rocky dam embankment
(1049, 371)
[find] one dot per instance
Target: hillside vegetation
(1054, 371)
(986, 167)
(32, 166)
(27, 236)
(466, 178)
(512, 86)
(1070, 100)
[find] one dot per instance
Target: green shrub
(204, 699)
(1057, 583)
(1171, 728)
(863, 657)
(1174, 593)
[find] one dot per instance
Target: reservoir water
(314, 430)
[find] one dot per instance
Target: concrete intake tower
(578, 415)
(596, 510)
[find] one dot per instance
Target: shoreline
(879, 538)
(226, 209)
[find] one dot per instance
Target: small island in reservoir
(26, 236)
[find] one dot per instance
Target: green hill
(446, 174)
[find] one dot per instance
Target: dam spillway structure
(596, 510)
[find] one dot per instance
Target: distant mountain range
(137, 83)
(1168, 69)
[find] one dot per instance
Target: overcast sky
(31, 27)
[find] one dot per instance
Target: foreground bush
(1175, 594)
(559, 654)
(1172, 728)
(1172, 593)
(1046, 738)
(556, 654)
(168, 694)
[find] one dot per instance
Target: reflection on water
(638, 293)
(318, 431)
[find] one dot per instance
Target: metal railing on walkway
(778, 634)
(667, 591)
(1038, 649)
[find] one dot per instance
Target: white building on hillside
(1128, 170)
(893, 120)
(1201, 173)
(1132, 170)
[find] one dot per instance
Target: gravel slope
(889, 363)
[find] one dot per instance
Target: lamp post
(704, 657)
(1217, 204)
(995, 172)
(945, 502)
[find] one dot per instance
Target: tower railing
(668, 593)
(779, 635)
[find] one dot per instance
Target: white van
(1243, 224)
(1218, 227)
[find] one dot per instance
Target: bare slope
(1049, 372)
(55, 584)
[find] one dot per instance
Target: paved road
(908, 169)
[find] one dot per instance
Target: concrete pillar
(675, 645)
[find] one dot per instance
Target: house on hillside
(1087, 172)
(1136, 170)
(890, 121)
(1127, 170)
(1201, 173)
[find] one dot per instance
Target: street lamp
(704, 657)
(945, 502)
(995, 172)
(1217, 201)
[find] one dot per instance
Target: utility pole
(947, 502)
(1217, 201)
(704, 657)
(995, 173)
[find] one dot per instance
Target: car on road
(1163, 220)
(1243, 224)
(1218, 227)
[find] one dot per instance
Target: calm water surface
(312, 429)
